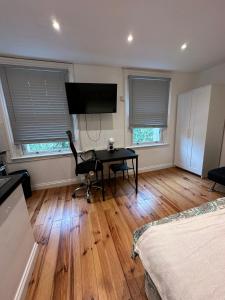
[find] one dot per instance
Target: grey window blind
(148, 101)
(37, 104)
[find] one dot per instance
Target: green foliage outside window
(46, 147)
(146, 135)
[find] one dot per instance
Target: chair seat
(89, 165)
(119, 167)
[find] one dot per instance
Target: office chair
(121, 167)
(88, 167)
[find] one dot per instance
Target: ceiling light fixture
(55, 25)
(130, 38)
(183, 47)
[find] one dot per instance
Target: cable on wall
(100, 129)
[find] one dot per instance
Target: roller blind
(148, 101)
(37, 104)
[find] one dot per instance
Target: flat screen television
(91, 98)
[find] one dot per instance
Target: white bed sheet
(186, 259)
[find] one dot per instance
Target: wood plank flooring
(85, 248)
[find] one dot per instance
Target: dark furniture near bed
(218, 176)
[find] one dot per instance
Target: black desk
(120, 154)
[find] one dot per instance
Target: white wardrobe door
(183, 141)
(198, 124)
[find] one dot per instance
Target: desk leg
(103, 188)
(136, 177)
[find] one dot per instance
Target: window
(147, 135)
(148, 108)
(37, 107)
(42, 148)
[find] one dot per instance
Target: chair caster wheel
(89, 197)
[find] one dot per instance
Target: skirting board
(155, 167)
(56, 183)
(22, 288)
(65, 182)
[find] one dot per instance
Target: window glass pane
(146, 135)
(46, 147)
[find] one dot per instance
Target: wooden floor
(85, 248)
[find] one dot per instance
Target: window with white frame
(148, 108)
(42, 148)
(147, 135)
(37, 108)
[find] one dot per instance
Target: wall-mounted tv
(91, 98)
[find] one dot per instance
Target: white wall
(60, 170)
(214, 75)
(47, 172)
(112, 124)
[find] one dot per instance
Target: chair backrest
(132, 150)
(72, 147)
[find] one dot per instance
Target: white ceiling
(95, 31)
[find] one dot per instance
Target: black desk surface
(121, 153)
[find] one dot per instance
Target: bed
(160, 244)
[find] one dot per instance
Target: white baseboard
(64, 182)
(56, 183)
(22, 288)
(155, 167)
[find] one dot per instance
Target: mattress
(209, 207)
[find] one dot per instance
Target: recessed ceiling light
(55, 25)
(183, 46)
(130, 38)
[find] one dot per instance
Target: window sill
(149, 145)
(30, 157)
(36, 157)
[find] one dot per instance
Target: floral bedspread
(199, 210)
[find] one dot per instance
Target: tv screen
(91, 98)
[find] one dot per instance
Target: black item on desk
(25, 182)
